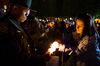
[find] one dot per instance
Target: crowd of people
(25, 40)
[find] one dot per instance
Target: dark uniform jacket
(15, 44)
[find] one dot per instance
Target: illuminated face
(67, 25)
(21, 14)
(79, 26)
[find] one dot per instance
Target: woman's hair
(86, 18)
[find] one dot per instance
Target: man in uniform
(15, 43)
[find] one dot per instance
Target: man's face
(21, 13)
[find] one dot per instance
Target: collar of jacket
(16, 24)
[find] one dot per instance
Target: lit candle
(53, 47)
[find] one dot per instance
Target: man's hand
(46, 57)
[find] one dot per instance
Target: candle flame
(53, 47)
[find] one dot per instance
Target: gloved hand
(69, 51)
(61, 47)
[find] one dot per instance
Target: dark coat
(15, 44)
(32, 28)
(85, 51)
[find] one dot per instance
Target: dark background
(63, 8)
(66, 8)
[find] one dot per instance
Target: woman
(82, 45)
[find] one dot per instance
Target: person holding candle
(16, 46)
(82, 45)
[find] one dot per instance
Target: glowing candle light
(53, 47)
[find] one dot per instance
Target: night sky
(65, 8)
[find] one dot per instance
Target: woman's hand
(61, 47)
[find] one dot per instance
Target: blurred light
(58, 18)
(66, 19)
(71, 18)
(55, 18)
(4, 10)
(47, 20)
(73, 23)
(53, 47)
(97, 19)
(43, 20)
(36, 19)
(52, 22)
(51, 50)
(40, 19)
(5, 6)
